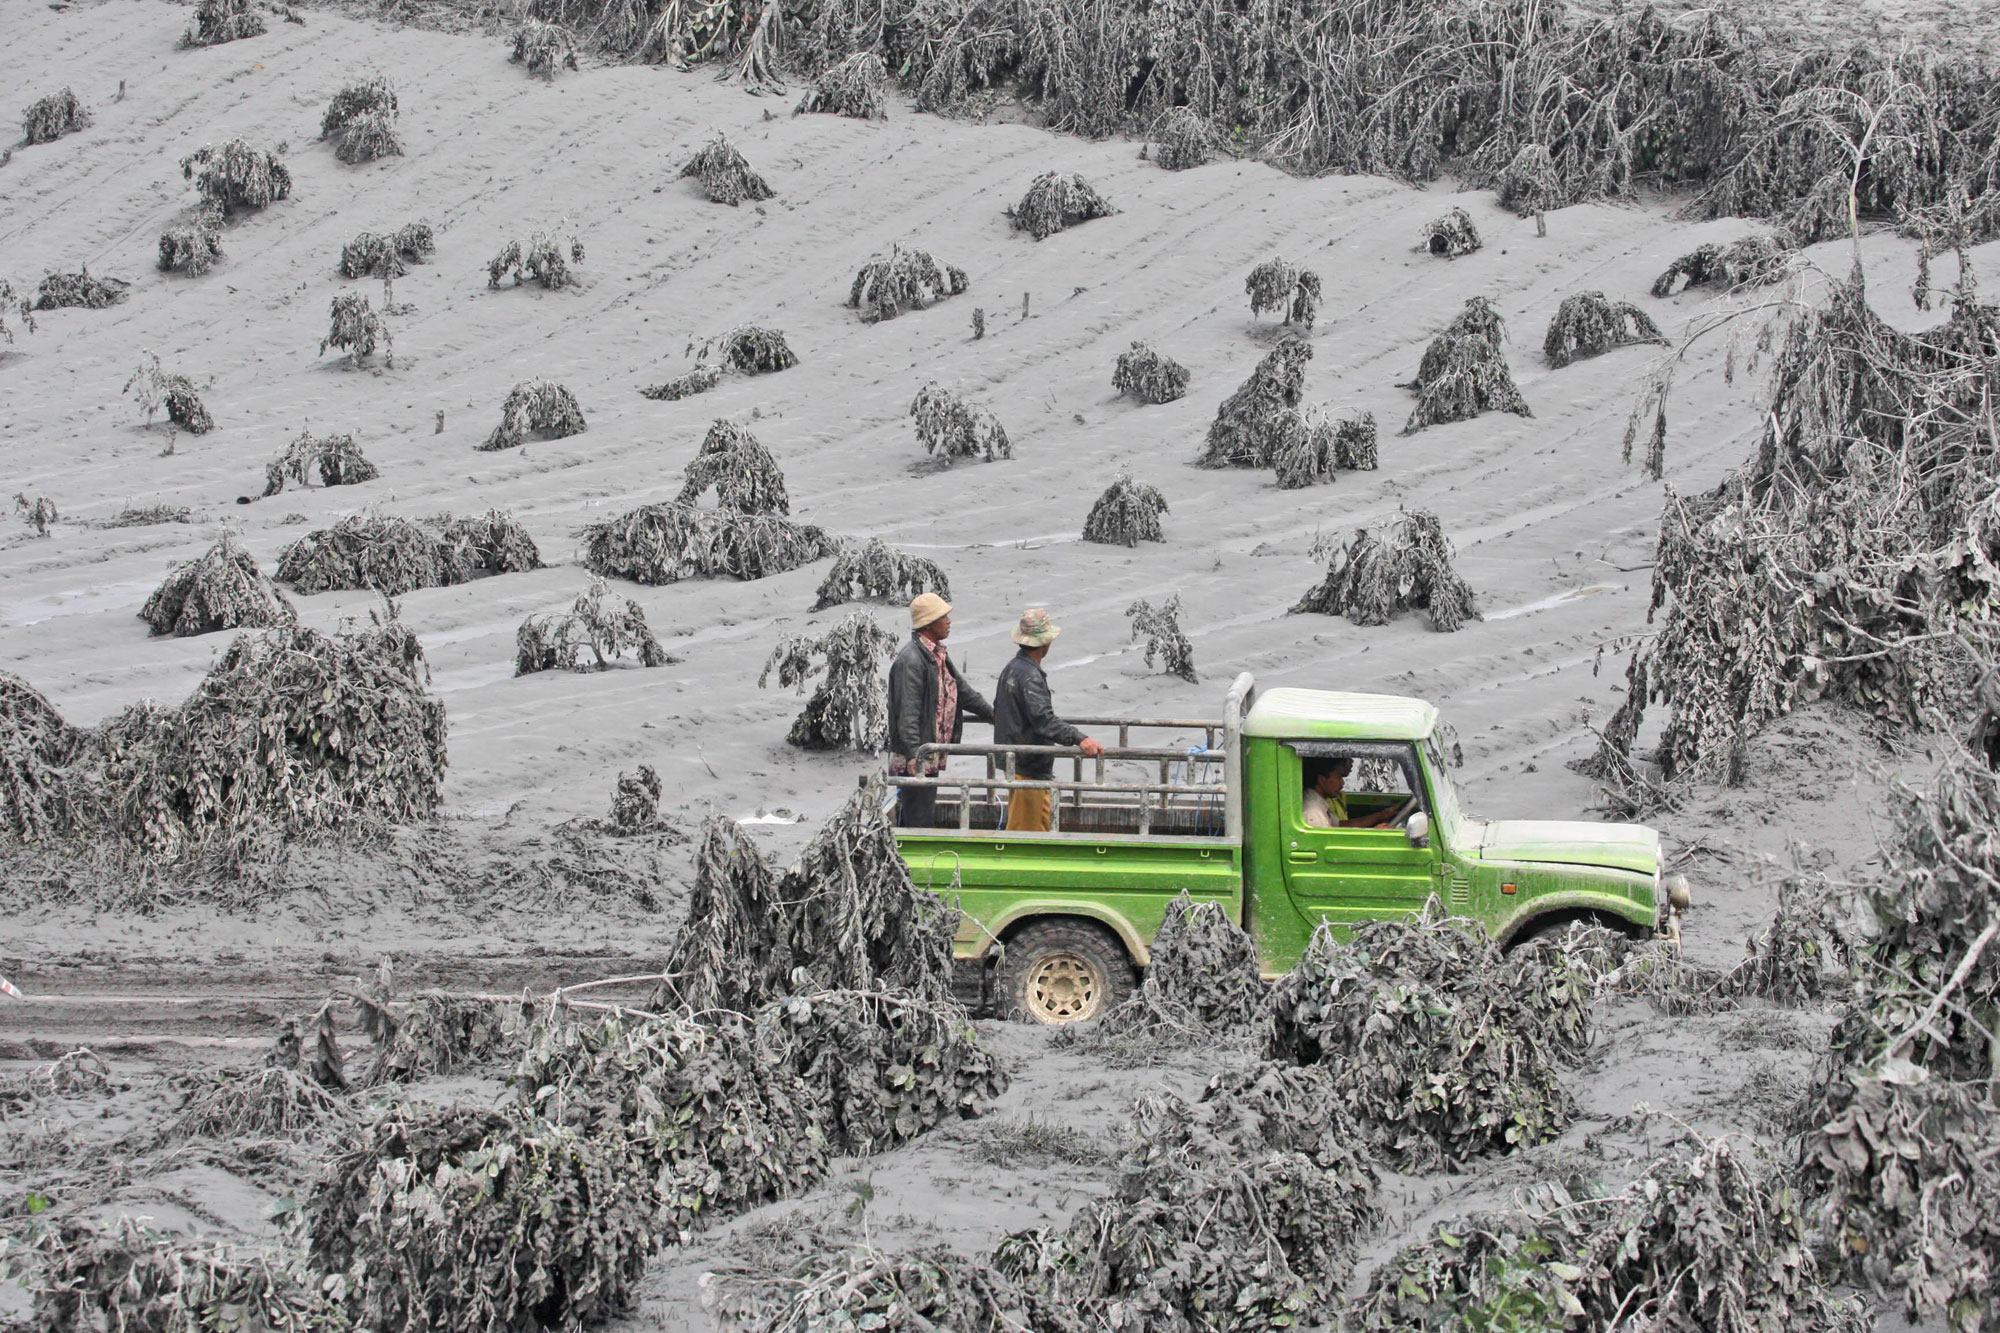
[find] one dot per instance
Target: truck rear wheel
(1063, 972)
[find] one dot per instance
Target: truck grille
(1460, 891)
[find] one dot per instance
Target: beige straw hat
(926, 607)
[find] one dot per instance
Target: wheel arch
(1533, 925)
(1113, 924)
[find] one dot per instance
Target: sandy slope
(1554, 532)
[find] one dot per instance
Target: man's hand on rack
(1091, 747)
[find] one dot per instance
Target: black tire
(1065, 971)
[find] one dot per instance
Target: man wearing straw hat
(1024, 713)
(928, 701)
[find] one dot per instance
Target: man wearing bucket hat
(928, 701)
(1025, 714)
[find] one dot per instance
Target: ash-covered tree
(1057, 201)
(1184, 138)
(38, 513)
(540, 261)
(1464, 371)
(1277, 284)
(54, 116)
(155, 389)
(1588, 325)
(1126, 514)
(1160, 627)
(874, 572)
(337, 460)
(541, 407)
(952, 428)
(361, 121)
(601, 622)
(543, 48)
(1247, 427)
(1149, 376)
(744, 476)
(1404, 565)
(725, 175)
(857, 86)
(223, 589)
(1451, 235)
(903, 280)
(849, 707)
(219, 21)
(356, 328)
(236, 176)
(79, 290)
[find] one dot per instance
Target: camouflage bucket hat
(1034, 629)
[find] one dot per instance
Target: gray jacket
(1025, 714)
(913, 700)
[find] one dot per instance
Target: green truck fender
(976, 939)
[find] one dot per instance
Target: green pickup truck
(1066, 918)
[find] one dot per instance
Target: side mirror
(1418, 829)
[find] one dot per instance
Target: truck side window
(1379, 782)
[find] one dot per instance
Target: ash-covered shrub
(38, 513)
(849, 707)
(356, 327)
(745, 477)
(665, 543)
(54, 116)
(1711, 1238)
(1160, 627)
(219, 21)
(63, 291)
(607, 625)
(84, 1278)
(361, 121)
(1464, 371)
(541, 407)
(394, 555)
(1277, 284)
(1530, 186)
(750, 350)
(952, 428)
(1451, 235)
(857, 87)
(1247, 427)
(490, 543)
(1311, 445)
(371, 256)
(236, 176)
(905, 280)
(1753, 261)
(540, 261)
(12, 301)
(543, 48)
(192, 246)
(1588, 325)
(223, 589)
(1202, 982)
(635, 802)
(336, 458)
(271, 1101)
(1443, 1048)
(1149, 376)
(1402, 566)
(156, 389)
(725, 175)
(1182, 139)
(698, 380)
(874, 572)
(1126, 514)
(1057, 201)
(41, 796)
(140, 516)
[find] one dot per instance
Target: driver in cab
(1325, 804)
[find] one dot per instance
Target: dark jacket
(1025, 714)
(913, 700)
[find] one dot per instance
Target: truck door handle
(1303, 858)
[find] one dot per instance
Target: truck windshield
(1443, 794)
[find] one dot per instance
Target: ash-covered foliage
(336, 458)
(84, 1277)
(1451, 235)
(952, 428)
(156, 389)
(38, 513)
(1530, 186)
(54, 116)
(698, 380)
(63, 291)
(750, 350)
(1182, 139)
(1202, 982)
(665, 543)
(857, 87)
(1160, 627)
(40, 799)
(543, 408)
(264, 1102)
(12, 301)
(1277, 284)
(1712, 1238)
(1126, 514)
(1404, 565)
(1853, 556)
(1753, 261)
(355, 327)
(1443, 1048)
(1311, 445)
(543, 48)
(192, 246)
(635, 803)
(236, 176)
(905, 280)
(539, 261)
(607, 625)
(1464, 371)
(219, 21)
(875, 572)
(725, 175)
(394, 555)
(1248, 425)
(361, 121)
(223, 589)
(849, 707)
(1588, 325)
(371, 256)
(1057, 201)
(745, 477)
(1149, 376)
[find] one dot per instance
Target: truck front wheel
(1063, 972)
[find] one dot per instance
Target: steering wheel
(1403, 812)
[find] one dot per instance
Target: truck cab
(1066, 917)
